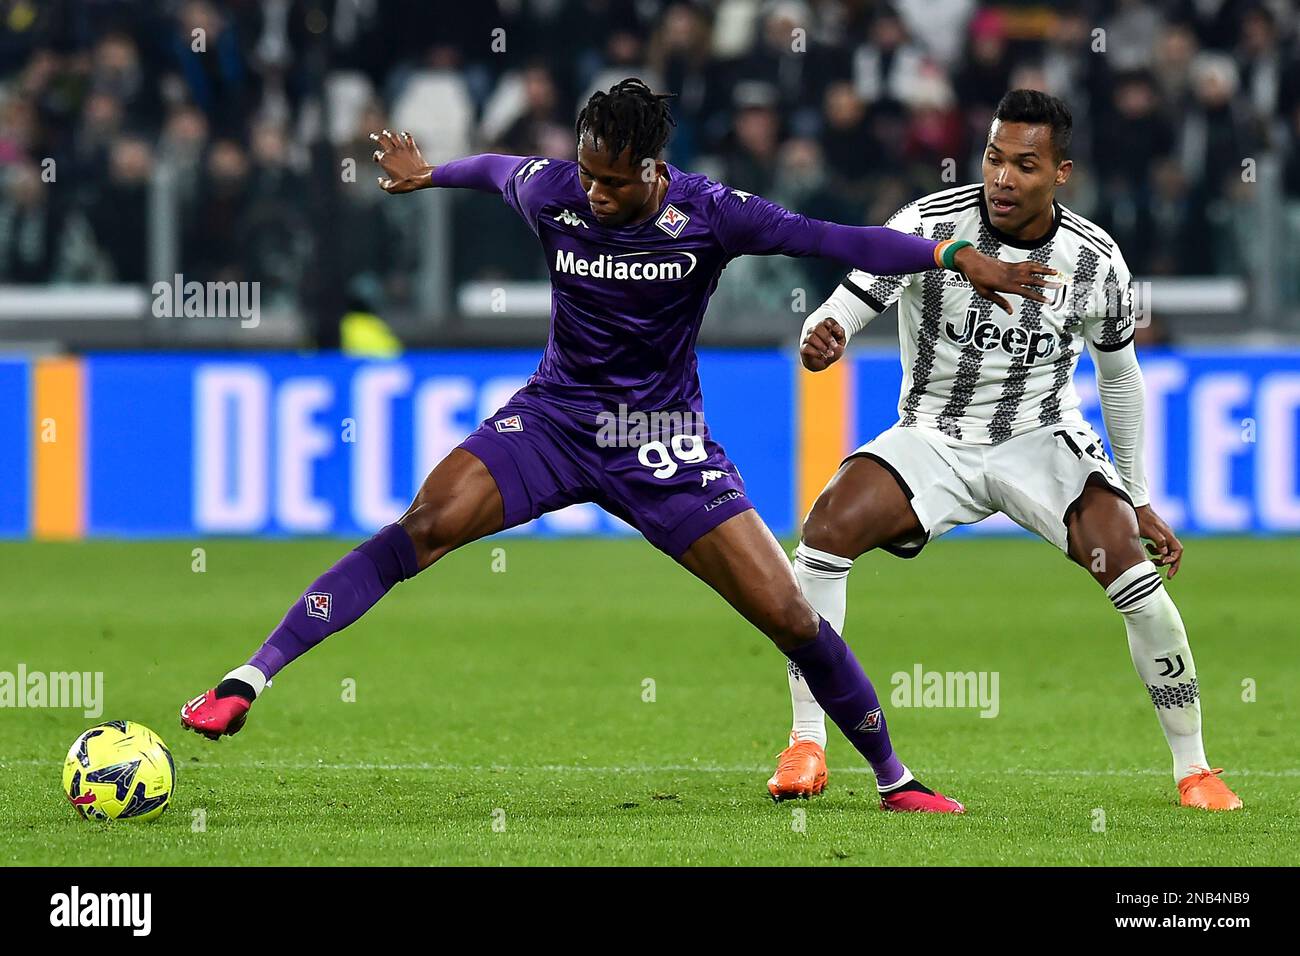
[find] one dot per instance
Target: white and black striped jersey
(971, 371)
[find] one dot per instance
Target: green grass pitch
(500, 716)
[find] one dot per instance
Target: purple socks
(338, 597)
(361, 577)
(838, 682)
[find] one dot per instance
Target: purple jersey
(627, 301)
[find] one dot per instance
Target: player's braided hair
(629, 115)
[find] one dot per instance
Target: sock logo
(1170, 670)
(318, 604)
(870, 723)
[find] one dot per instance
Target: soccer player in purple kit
(634, 247)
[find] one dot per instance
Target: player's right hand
(398, 156)
(989, 276)
(823, 345)
(1162, 544)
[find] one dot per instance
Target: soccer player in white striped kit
(989, 422)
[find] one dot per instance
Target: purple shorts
(673, 485)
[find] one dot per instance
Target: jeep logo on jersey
(606, 266)
(1015, 341)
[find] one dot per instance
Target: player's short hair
(1039, 109)
(628, 115)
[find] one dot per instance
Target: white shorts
(1035, 479)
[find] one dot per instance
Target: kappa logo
(570, 218)
(870, 723)
(533, 168)
(513, 423)
(742, 195)
(711, 474)
(672, 221)
(319, 604)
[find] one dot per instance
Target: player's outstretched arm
(406, 171)
(881, 251)
(749, 224)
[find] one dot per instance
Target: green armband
(950, 250)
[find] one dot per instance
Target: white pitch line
(663, 768)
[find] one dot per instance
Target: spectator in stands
(805, 98)
(751, 162)
(679, 55)
(215, 233)
(848, 145)
(116, 71)
(183, 146)
(543, 129)
(209, 57)
(888, 65)
(31, 225)
(1260, 63)
(790, 62)
(986, 72)
(119, 208)
(1172, 67)
(1215, 136)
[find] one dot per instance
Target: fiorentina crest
(318, 604)
(870, 723)
(672, 221)
(513, 423)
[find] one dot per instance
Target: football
(119, 770)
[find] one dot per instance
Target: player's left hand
(990, 276)
(1162, 544)
(404, 167)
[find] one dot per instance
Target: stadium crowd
(843, 109)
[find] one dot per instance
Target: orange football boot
(1205, 791)
(800, 771)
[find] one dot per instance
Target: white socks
(823, 578)
(251, 676)
(1158, 645)
(1156, 638)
